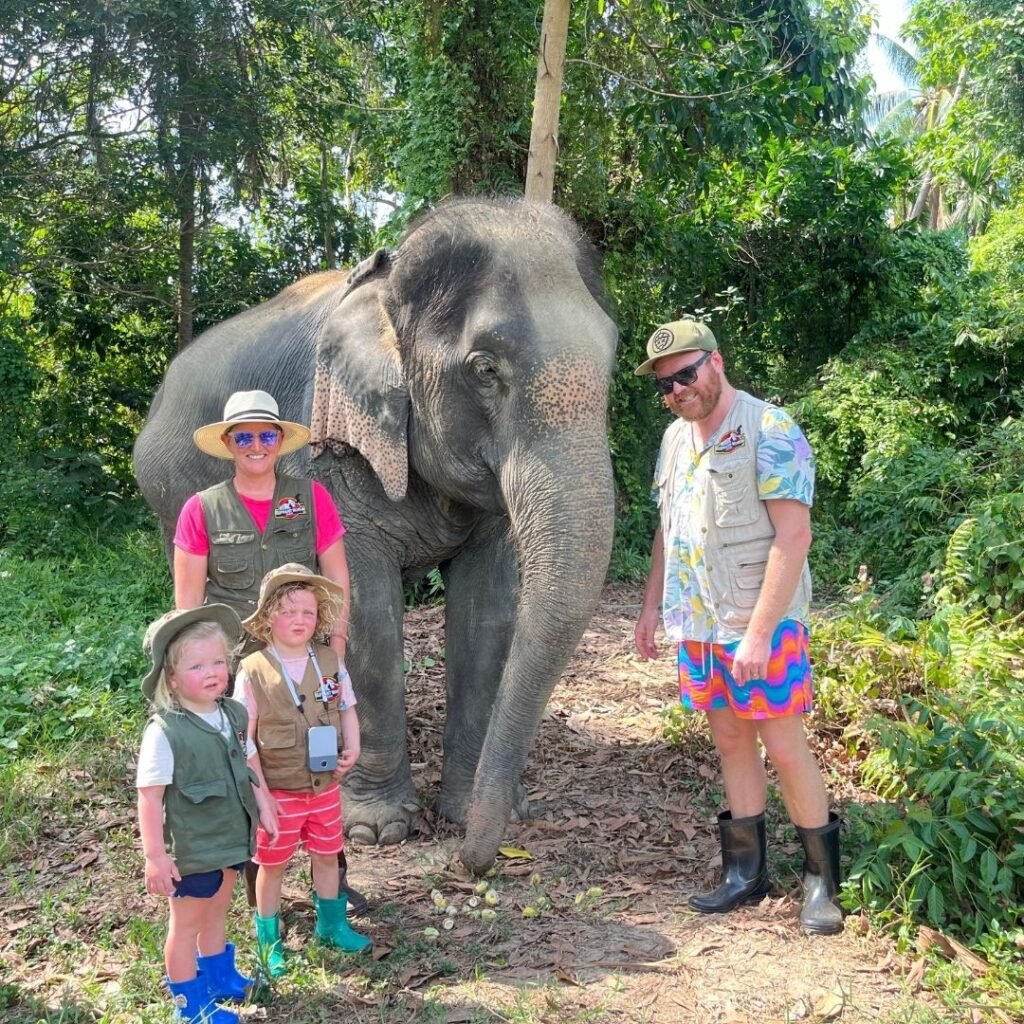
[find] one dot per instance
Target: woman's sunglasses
(245, 438)
(684, 377)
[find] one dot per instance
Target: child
(298, 693)
(197, 808)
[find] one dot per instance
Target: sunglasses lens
(684, 377)
(244, 438)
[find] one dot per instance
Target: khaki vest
(210, 812)
(282, 728)
(737, 531)
(239, 555)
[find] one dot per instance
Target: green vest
(210, 812)
(239, 555)
(281, 728)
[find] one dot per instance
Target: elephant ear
(360, 399)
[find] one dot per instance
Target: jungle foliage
(166, 163)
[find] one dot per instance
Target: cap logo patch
(661, 340)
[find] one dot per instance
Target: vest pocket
(292, 542)
(279, 736)
(747, 583)
(197, 792)
(234, 573)
(732, 496)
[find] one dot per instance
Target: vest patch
(289, 508)
(731, 441)
(231, 537)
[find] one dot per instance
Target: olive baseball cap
(679, 336)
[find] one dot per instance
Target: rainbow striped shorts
(706, 682)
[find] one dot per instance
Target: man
(734, 485)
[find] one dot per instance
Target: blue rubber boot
(222, 977)
(193, 1003)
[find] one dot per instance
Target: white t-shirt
(156, 759)
(296, 668)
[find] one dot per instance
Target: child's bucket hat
(161, 632)
(291, 572)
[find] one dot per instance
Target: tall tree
(540, 169)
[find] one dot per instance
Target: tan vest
(282, 728)
(737, 531)
(239, 555)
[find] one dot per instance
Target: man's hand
(751, 658)
(643, 633)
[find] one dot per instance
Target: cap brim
(224, 615)
(209, 439)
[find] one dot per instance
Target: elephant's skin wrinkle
(505, 483)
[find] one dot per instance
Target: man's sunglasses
(245, 438)
(684, 377)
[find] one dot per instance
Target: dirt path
(619, 813)
(621, 835)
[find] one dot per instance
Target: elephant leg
(380, 799)
(481, 588)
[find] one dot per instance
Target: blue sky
(890, 15)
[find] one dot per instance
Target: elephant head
(477, 359)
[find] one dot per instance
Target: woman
(231, 535)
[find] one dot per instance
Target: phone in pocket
(322, 746)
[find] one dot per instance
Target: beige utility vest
(240, 556)
(737, 531)
(282, 728)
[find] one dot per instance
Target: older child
(197, 808)
(301, 704)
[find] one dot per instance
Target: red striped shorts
(312, 818)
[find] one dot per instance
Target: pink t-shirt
(191, 535)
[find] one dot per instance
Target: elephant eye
(484, 368)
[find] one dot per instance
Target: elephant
(457, 392)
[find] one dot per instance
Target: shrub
(70, 639)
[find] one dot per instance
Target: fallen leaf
(515, 853)
(829, 1006)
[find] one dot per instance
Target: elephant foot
(380, 822)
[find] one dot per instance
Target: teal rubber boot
(268, 945)
(333, 929)
(193, 1003)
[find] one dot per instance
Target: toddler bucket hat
(291, 572)
(679, 336)
(249, 407)
(161, 632)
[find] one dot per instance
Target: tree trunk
(186, 243)
(540, 169)
(326, 208)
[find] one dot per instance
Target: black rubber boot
(358, 904)
(821, 914)
(744, 865)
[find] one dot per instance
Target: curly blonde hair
(328, 609)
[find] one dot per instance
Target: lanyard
(291, 683)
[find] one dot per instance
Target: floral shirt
(785, 469)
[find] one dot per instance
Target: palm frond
(900, 60)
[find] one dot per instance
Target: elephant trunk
(564, 535)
